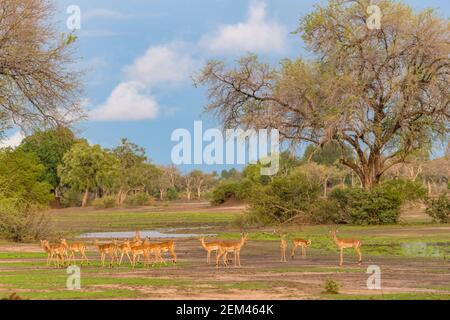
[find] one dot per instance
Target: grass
(100, 221)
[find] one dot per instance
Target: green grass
(22, 255)
(81, 222)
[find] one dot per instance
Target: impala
(75, 247)
(52, 250)
(106, 249)
(124, 249)
(345, 244)
(300, 243)
(168, 246)
(283, 246)
(209, 247)
(235, 247)
(140, 250)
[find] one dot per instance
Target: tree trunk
(199, 193)
(85, 198)
(188, 193)
(161, 195)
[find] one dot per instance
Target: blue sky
(139, 56)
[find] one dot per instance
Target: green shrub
(139, 199)
(367, 207)
(71, 199)
(325, 211)
(332, 287)
(408, 190)
(105, 202)
(172, 194)
(439, 209)
(284, 198)
(223, 192)
(19, 222)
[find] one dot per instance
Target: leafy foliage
(439, 209)
(49, 147)
(367, 207)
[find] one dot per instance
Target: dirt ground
(263, 276)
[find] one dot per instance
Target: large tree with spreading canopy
(382, 93)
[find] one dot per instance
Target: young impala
(209, 247)
(235, 247)
(75, 247)
(300, 243)
(106, 249)
(345, 244)
(283, 246)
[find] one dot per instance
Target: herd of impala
(63, 253)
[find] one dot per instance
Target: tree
(130, 157)
(85, 167)
(21, 179)
(50, 146)
(321, 174)
(381, 93)
(200, 181)
(37, 86)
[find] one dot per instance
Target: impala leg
(293, 251)
(239, 258)
(208, 257)
(358, 250)
(342, 257)
(174, 255)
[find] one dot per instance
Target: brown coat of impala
(346, 244)
(73, 248)
(226, 247)
(209, 247)
(300, 243)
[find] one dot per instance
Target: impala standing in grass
(75, 247)
(209, 247)
(226, 247)
(106, 249)
(345, 244)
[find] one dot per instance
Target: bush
(284, 198)
(325, 211)
(377, 206)
(223, 192)
(408, 190)
(21, 223)
(439, 209)
(332, 287)
(172, 194)
(105, 202)
(71, 199)
(139, 199)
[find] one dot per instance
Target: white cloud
(12, 141)
(257, 34)
(127, 102)
(169, 63)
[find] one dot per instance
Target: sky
(139, 57)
